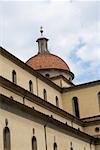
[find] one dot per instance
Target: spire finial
(41, 30)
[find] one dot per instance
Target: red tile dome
(47, 60)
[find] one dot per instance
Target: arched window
(55, 146)
(6, 139)
(76, 107)
(45, 94)
(14, 77)
(24, 100)
(30, 86)
(71, 146)
(57, 102)
(99, 100)
(34, 143)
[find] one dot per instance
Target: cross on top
(41, 30)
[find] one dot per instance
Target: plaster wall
(51, 93)
(91, 130)
(21, 130)
(54, 73)
(57, 81)
(22, 125)
(97, 147)
(88, 102)
(23, 78)
(60, 82)
(64, 141)
(65, 84)
(19, 98)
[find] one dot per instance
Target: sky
(72, 27)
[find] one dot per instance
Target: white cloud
(71, 26)
(89, 53)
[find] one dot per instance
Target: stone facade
(38, 113)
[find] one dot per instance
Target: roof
(81, 86)
(47, 60)
(62, 77)
(90, 121)
(26, 67)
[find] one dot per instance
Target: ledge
(24, 66)
(47, 120)
(90, 121)
(33, 98)
(81, 86)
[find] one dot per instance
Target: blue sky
(72, 27)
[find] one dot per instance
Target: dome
(47, 61)
(47, 64)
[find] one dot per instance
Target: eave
(24, 66)
(81, 86)
(37, 100)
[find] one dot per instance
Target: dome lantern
(42, 43)
(49, 64)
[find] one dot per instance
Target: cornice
(81, 86)
(61, 76)
(61, 70)
(91, 121)
(39, 101)
(24, 66)
(6, 102)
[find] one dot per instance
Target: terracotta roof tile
(47, 60)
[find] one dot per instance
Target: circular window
(97, 129)
(47, 75)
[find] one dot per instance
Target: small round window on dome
(47, 75)
(97, 129)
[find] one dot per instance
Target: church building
(40, 106)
